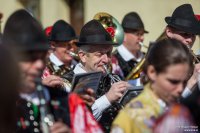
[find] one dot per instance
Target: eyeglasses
(138, 33)
(185, 34)
(176, 82)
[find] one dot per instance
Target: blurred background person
(129, 53)
(25, 34)
(177, 119)
(168, 65)
(9, 81)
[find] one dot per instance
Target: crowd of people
(38, 95)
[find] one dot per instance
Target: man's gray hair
(84, 48)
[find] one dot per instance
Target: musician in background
(129, 53)
(25, 34)
(62, 40)
(168, 65)
(184, 26)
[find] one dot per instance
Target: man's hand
(195, 77)
(52, 81)
(59, 127)
(88, 97)
(116, 91)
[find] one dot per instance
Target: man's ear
(169, 32)
(151, 72)
(52, 45)
(82, 55)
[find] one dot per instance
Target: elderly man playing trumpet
(95, 48)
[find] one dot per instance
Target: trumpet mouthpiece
(73, 54)
(141, 43)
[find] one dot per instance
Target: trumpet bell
(112, 26)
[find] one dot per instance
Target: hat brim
(92, 43)
(193, 30)
(136, 29)
(63, 40)
(145, 31)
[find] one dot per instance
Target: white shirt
(101, 103)
(127, 55)
(57, 62)
(186, 92)
(53, 58)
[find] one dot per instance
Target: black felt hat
(132, 21)
(24, 32)
(183, 18)
(94, 33)
(62, 31)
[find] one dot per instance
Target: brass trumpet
(114, 78)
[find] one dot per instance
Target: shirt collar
(127, 55)
(79, 69)
(55, 60)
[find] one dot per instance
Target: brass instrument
(114, 78)
(59, 71)
(196, 57)
(46, 118)
(135, 72)
(74, 55)
(112, 26)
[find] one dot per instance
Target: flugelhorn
(112, 26)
